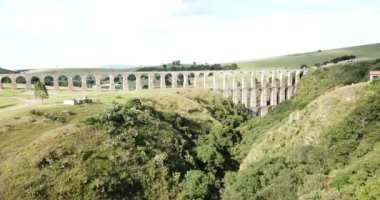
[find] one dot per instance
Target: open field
(311, 58)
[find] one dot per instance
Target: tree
(40, 91)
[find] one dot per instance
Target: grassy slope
(26, 139)
(296, 60)
(309, 148)
(304, 127)
(19, 127)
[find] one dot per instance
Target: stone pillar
(282, 87)
(112, 83)
(28, 85)
(264, 94)
(253, 103)
(196, 80)
(97, 82)
(234, 89)
(83, 79)
(13, 81)
(214, 82)
(297, 80)
(125, 82)
(174, 80)
(55, 82)
(205, 80)
(290, 85)
(185, 80)
(70, 82)
(150, 81)
(138, 81)
(162, 79)
(1, 84)
(225, 89)
(274, 89)
(244, 91)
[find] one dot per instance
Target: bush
(198, 185)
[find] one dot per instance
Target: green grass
(296, 60)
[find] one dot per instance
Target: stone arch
(190, 79)
(180, 79)
(118, 81)
(77, 81)
(169, 80)
(34, 79)
(6, 82)
(131, 81)
(90, 81)
(144, 77)
(200, 80)
(105, 81)
(20, 82)
(209, 77)
(157, 80)
(63, 81)
(48, 80)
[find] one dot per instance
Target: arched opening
(209, 79)
(118, 81)
(200, 80)
(131, 82)
(180, 79)
(21, 82)
(169, 80)
(156, 80)
(63, 81)
(34, 79)
(6, 82)
(77, 81)
(144, 81)
(190, 80)
(105, 82)
(49, 81)
(90, 81)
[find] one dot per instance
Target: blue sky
(90, 33)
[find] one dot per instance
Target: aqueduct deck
(258, 90)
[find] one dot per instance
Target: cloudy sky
(90, 33)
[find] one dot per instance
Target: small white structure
(71, 102)
(373, 74)
(79, 100)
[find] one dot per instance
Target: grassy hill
(311, 58)
(323, 144)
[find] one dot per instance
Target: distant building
(373, 74)
(80, 100)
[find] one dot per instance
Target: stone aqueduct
(258, 90)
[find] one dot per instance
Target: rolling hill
(311, 58)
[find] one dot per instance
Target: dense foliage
(350, 148)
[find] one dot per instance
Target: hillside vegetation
(187, 144)
(310, 59)
(323, 144)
